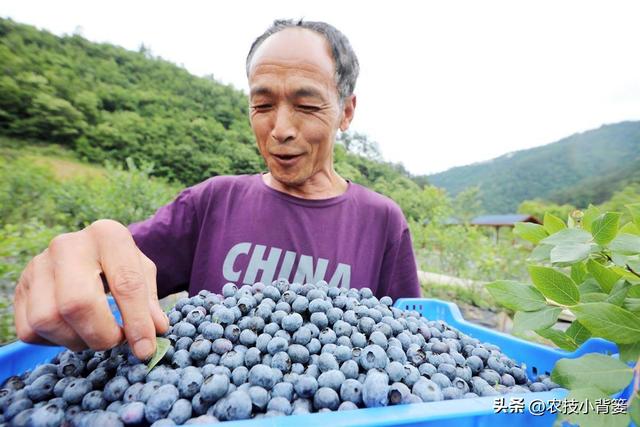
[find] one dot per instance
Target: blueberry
(47, 415)
(237, 406)
(448, 370)
(518, 375)
(214, 387)
(475, 363)
(148, 390)
(183, 343)
(326, 397)
(70, 367)
(190, 382)
(181, 411)
(221, 346)
(213, 331)
(16, 407)
(47, 368)
(490, 376)
(132, 413)
(42, 387)
(132, 394)
(327, 362)
(332, 379)
(115, 388)
(159, 404)
(137, 373)
(184, 329)
(373, 356)
(398, 393)
(396, 371)
(427, 390)
(277, 344)
(76, 389)
(351, 390)
(306, 386)
(441, 379)
(318, 318)
(280, 404)
(93, 400)
(440, 347)
(314, 346)
(283, 389)
(375, 389)
(537, 387)
(482, 353)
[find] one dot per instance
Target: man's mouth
(287, 159)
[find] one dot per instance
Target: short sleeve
(169, 239)
(399, 274)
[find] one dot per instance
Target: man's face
(295, 110)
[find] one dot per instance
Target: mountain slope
(565, 171)
(108, 104)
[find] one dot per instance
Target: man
(300, 221)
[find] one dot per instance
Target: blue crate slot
(19, 357)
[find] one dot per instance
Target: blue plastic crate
(18, 357)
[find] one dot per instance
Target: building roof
(503, 220)
(508, 220)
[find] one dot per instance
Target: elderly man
(300, 221)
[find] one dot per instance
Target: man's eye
(261, 107)
(308, 107)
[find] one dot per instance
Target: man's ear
(347, 112)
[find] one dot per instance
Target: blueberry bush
(590, 267)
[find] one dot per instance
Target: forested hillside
(583, 168)
(107, 103)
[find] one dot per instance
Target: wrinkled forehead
(294, 48)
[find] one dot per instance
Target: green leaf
(589, 216)
(630, 228)
(605, 227)
(540, 253)
(634, 409)
(530, 231)
(554, 285)
(629, 352)
(605, 277)
(578, 272)
(516, 296)
(589, 286)
(619, 292)
(577, 332)
(566, 236)
(534, 320)
(559, 338)
(570, 253)
(609, 321)
(590, 417)
(593, 297)
(634, 292)
(162, 346)
(552, 223)
(626, 244)
(631, 304)
(634, 210)
(592, 370)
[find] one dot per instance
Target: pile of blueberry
(263, 351)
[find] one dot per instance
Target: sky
(442, 83)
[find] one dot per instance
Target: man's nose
(284, 129)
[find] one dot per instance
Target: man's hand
(60, 297)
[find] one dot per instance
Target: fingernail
(166, 320)
(143, 348)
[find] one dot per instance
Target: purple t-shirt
(238, 229)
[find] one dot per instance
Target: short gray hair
(346, 62)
